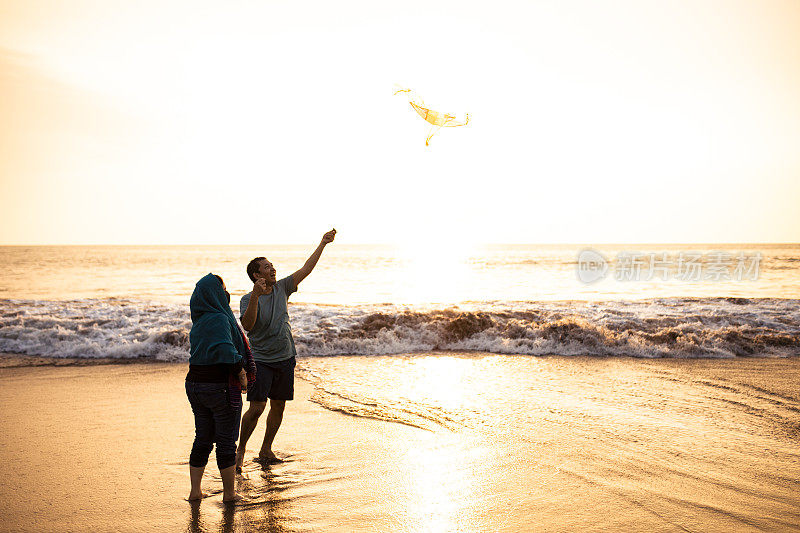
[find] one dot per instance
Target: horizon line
(631, 243)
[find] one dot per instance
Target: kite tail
(434, 131)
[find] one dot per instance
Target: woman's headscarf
(215, 336)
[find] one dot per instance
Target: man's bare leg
(274, 418)
(249, 421)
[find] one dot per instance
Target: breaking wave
(95, 328)
(666, 327)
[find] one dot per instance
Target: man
(265, 316)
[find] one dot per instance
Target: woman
(218, 365)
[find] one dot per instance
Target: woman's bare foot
(193, 497)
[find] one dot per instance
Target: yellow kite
(435, 118)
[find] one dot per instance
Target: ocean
(132, 302)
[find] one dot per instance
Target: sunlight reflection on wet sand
(525, 443)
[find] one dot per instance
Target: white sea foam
(669, 327)
(95, 328)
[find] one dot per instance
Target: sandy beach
(105, 448)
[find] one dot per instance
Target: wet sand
(105, 448)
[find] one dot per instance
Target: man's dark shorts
(273, 380)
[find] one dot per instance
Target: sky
(178, 122)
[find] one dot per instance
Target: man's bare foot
(232, 499)
(268, 458)
(196, 497)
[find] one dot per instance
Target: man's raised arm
(311, 262)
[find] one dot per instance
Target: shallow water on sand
(440, 442)
(691, 444)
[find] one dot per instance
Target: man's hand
(259, 288)
(328, 237)
(243, 380)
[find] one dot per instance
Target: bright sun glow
(435, 271)
(584, 118)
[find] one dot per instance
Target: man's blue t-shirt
(271, 337)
